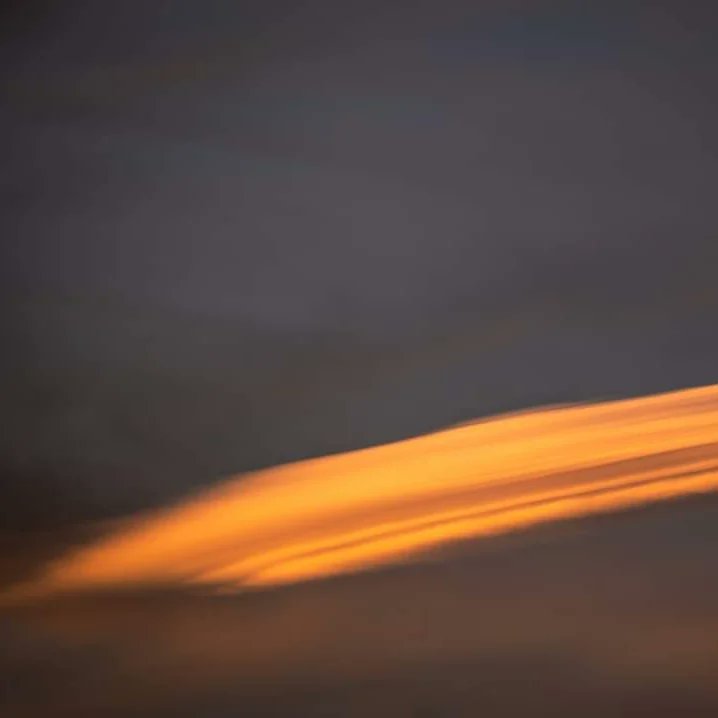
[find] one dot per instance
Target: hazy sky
(238, 233)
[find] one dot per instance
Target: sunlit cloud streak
(387, 504)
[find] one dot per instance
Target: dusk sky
(358, 358)
(242, 233)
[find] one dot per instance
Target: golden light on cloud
(380, 505)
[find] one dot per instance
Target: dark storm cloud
(241, 233)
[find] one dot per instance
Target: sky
(242, 233)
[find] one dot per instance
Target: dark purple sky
(238, 233)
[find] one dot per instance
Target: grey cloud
(250, 234)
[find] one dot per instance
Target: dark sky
(239, 233)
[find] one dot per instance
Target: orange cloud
(375, 506)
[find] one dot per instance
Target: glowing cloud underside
(371, 507)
